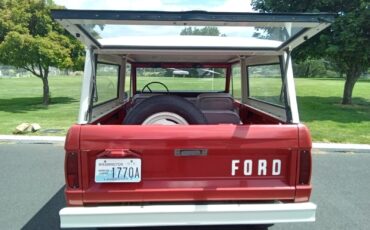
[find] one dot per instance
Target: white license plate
(113, 170)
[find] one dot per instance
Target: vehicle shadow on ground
(48, 216)
(27, 104)
(313, 108)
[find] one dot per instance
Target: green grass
(184, 83)
(329, 121)
(318, 101)
(20, 101)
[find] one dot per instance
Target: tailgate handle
(190, 152)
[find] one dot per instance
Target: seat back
(218, 108)
(138, 98)
(215, 101)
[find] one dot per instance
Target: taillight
(71, 170)
(304, 167)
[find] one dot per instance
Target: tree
(346, 43)
(310, 68)
(204, 31)
(31, 40)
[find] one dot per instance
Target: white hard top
(190, 42)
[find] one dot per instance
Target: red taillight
(304, 167)
(71, 170)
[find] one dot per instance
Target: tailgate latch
(190, 152)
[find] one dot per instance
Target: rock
(26, 127)
(35, 127)
(22, 128)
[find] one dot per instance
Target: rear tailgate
(193, 163)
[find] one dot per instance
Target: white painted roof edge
(189, 41)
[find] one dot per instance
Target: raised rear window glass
(265, 84)
(193, 29)
(106, 83)
(169, 35)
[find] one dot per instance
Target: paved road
(31, 185)
(31, 191)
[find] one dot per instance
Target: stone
(35, 127)
(22, 128)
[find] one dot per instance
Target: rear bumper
(186, 214)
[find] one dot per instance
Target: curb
(31, 139)
(333, 147)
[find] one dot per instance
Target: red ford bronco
(177, 128)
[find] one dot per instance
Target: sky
(169, 5)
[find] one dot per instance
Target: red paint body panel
(303, 193)
(305, 141)
(166, 177)
(73, 139)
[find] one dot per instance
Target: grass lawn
(20, 101)
(318, 101)
(329, 121)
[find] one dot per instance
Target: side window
(107, 76)
(265, 84)
(236, 82)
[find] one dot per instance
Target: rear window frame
(137, 65)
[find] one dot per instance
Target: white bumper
(186, 214)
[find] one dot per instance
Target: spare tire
(156, 109)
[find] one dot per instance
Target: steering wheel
(154, 82)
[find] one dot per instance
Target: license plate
(115, 170)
